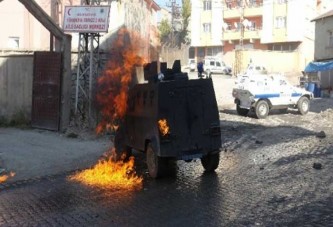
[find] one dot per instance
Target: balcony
(249, 11)
(235, 34)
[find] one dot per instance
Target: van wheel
(241, 111)
(262, 109)
(157, 166)
(122, 151)
(210, 162)
(303, 105)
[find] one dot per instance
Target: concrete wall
(323, 47)
(16, 77)
(274, 61)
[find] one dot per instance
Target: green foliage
(186, 14)
(167, 35)
(165, 30)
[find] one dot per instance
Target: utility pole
(175, 14)
(87, 72)
(239, 51)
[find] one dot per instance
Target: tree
(186, 14)
(165, 30)
(173, 33)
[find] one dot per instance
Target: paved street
(266, 177)
(285, 191)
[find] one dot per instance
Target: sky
(163, 3)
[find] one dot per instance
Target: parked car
(215, 66)
(262, 93)
(192, 64)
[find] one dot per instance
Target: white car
(212, 65)
(262, 93)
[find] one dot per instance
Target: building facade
(21, 31)
(274, 33)
(206, 32)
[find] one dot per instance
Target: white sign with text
(86, 19)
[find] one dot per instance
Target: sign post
(88, 21)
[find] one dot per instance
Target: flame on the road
(110, 174)
(115, 80)
(163, 126)
(5, 177)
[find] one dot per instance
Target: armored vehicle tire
(157, 166)
(303, 105)
(262, 109)
(210, 162)
(241, 111)
(122, 151)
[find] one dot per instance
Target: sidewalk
(32, 153)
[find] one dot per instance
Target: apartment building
(276, 33)
(206, 32)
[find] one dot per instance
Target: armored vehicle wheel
(210, 162)
(157, 166)
(303, 105)
(122, 152)
(241, 111)
(262, 109)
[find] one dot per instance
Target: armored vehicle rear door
(191, 110)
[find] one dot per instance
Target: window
(280, 22)
(206, 27)
(284, 47)
(207, 5)
(330, 39)
(13, 42)
(209, 51)
(252, 3)
(201, 52)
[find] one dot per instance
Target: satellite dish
(246, 22)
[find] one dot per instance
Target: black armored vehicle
(171, 118)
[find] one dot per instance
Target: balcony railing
(250, 10)
(235, 34)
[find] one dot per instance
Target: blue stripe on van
(266, 96)
(296, 94)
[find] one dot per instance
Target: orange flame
(112, 95)
(109, 174)
(163, 126)
(114, 83)
(3, 178)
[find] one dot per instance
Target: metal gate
(46, 90)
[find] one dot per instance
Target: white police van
(262, 93)
(215, 66)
